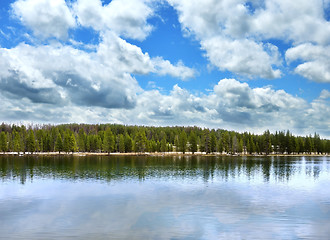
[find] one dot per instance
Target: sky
(230, 64)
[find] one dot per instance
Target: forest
(109, 138)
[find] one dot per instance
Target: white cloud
(126, 18)
(63, 75)
(299, 21)
(164, 67)
(46, 18)
(241, 56)
(316, 61)
(230, 105)
(236, 34)
(223, 28)
(325, 94)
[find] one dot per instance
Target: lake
(125, 197)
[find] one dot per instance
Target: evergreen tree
(3, 142)
(225, 140)
(248, 147)
(176, 143)
(108, 141)
(182, 142)
(16, 142)
(30, 142)
(193, 142)
(140, 141)
(59, 144)
(121, 143)
(128, 143)
(163, 145)
(73, 143)
(213, 142)
(240, 145)
(220, 146)
(82, 140)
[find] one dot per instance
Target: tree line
(126, 139)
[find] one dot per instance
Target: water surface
(102, 197)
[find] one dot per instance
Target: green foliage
(82, 138)
(163, 145)
(182, 142)
(59, 144)
(16, 142)
(140, 142)
(3, 142)
(121, 143)
(120, 138)
(30, 142)
(213, 142)
(193, 142)
(108, 141)
(128, 143)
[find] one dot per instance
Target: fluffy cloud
(316, 61)
(245, 57)
(60, 75)
(230, 105)
(164, 67)
(325, 94)
(223, 27)
(45, 18)
(299, 21)
(126, 18)
(237, 34)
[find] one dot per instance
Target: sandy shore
(153, 154)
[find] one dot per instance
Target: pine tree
(220, 146)
(163, 145)
(82, 140)
(176, 143)
(31, 143)
(225, 141)
(121, 143)
(213, 142)
(182, 141)
(59, 144)
(248, 147)
(141, 141)
(193, 142)
(16, 142)
(72, 143)
(240, 146)
(108, 141)
(3, 142)
(128, 143)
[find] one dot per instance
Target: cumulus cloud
(45, 18)
(126, 18)
(315, 61)
(237, 34)
(59, 74)
(164, 67)
(299, 21)
(230, 105)
(245, 57)
(325, 94)
(223, 28)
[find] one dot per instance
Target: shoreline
(156, 154)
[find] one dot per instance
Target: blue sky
(232, 64)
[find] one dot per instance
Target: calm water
(164, 198)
